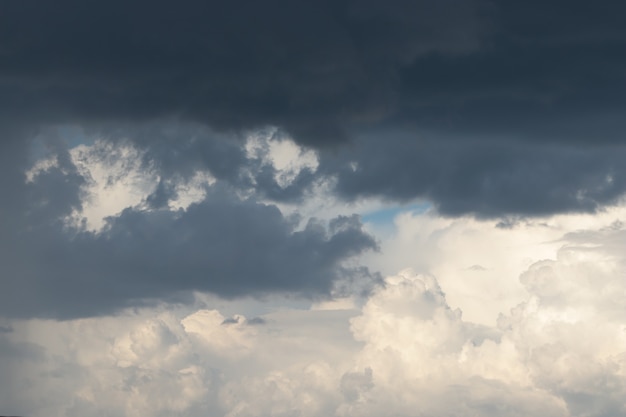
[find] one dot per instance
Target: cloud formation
(560, 352)
(178, 186)
(298, 65)
(224, 246)
(490, 178)
(496, 104)
(221, 242)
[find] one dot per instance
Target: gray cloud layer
(485, 107)
(488, 178)
(489, 78)
(301, 65)
(223, 244)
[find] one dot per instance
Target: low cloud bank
(405, 351)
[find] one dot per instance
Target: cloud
(186, 357)
(420, 353)
(154, 156)
(481, 177)
(489, 177)
(82, 234)
(222, 245)
(574, 326)
(496, 119)
(233, 67)
(313, 69)
(405, 351)
(451, 248)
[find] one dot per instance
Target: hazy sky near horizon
(305, 209)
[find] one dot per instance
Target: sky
(313, 208)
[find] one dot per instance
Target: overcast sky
(285, 208)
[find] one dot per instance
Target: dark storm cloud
(310, 67)
(483, 177)
(474, 72)
(495, 108)
(223, 245)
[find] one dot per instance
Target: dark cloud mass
(474, 72)
(322, 69)
(488, 178)
(307, 66)
(222, 245)
(491, 108)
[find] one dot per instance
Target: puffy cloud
(162, 361)
(572, 328)
(132, 367)
(425, 359)
(478, 262)
(560, 352)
